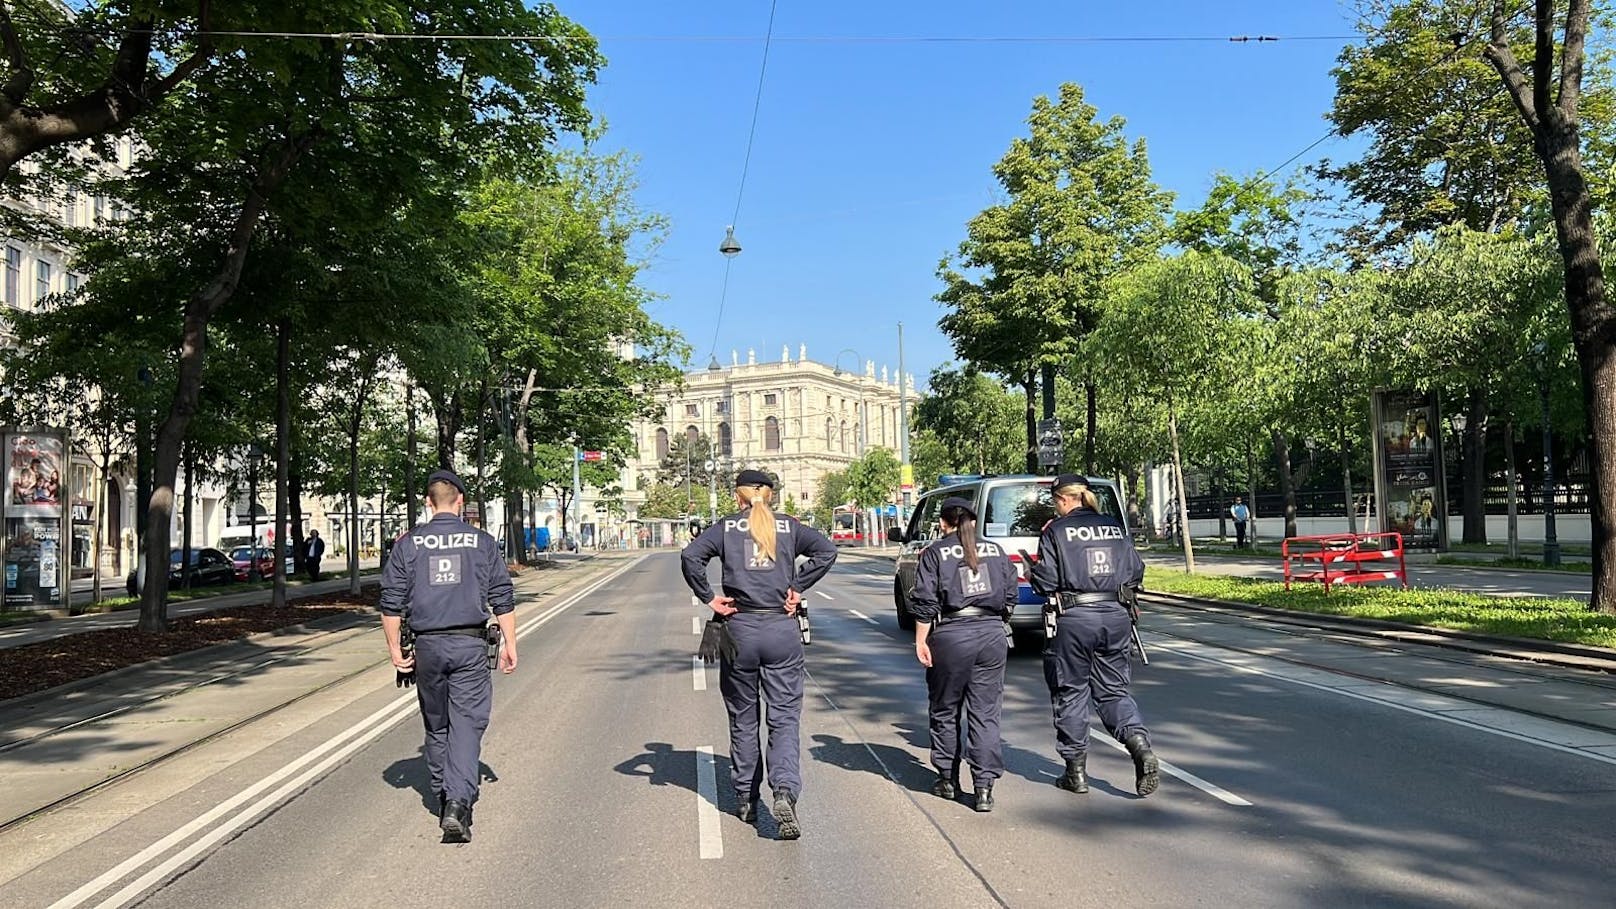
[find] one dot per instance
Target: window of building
(72, 282)
(726, 440)
(661, 445)
(100, 209)
(692, 435)
(842, 436)
(830, 433)
(771, 434)
(13, 275)
(70, 209)
(42, 280)
(770, 399)
(692, 410)
(722, 407)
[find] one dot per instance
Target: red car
(241, 558)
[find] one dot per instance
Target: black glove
(717, 643)
(404, 679)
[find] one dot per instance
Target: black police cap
(1070, 479)
(447, 476)
(753, 478)
(958, 502)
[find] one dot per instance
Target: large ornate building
(795, 417)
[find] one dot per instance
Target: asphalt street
(605, 746)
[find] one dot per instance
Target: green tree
(663, 500)
(975, 421)
(873, 479)
(1028, 280)
(833, 491)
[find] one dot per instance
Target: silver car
(1012, 512)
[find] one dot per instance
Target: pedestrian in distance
(1086, 562)
(446, 579)
(964, 590)
(313, 550)
(1241, 515)
(759, 609)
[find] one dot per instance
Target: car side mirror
(895, 535)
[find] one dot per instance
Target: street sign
(906, 477)
(1050, 443)
(590, 456)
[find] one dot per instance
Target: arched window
(858, 438)
(842, 436)
(692, 435)
(726, 442)
(830, 434)
(661, 445)
(771, 434)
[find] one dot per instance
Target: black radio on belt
(493, 635)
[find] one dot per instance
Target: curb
(26, 620)
(1554, 653)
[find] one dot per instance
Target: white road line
(824, 594)
(695, 624)
(698, 673)
(1217, 792)
(1178, 648)
(864, 617)
(696, 601)
(362, 733)
(709, 832)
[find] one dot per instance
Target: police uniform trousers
(1088, 661)
(456, 693)
(967, 670)
(769, 660)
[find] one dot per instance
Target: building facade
(795, 417)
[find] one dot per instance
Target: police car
(1011, 511)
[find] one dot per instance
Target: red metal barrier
(1346, 558)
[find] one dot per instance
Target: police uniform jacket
(945, 584)
(1085, 552)
(755, 581)
(443, 572)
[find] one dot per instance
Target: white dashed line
(1217, 792)
(863, 616)
(695, 624)
(824, 594)
(710, 834)
(698, 673)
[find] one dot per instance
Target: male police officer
(1084, 560)
(446, 576)
(763, 585)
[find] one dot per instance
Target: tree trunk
(482, 453)
(1048, 379)
(1475, 468)
(1251, 493)
(1030, 385)
(1346, 477)
(1091, 395)
(1287, 480)
(411, 502)
(448, 414)
(100, 517)
(1509, 478)
(1223, 513)
(193, 350)
(283, 453)
(186, 578)
(1183, 505)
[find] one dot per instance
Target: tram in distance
(845, 527)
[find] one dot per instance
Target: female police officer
(762, 588)
(965, 586)
(1084, 560)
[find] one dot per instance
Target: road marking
(698, 671)
(695, 624)
(361, 733)
(1179, 648)
(824, 594)
(696, 601)
(709, 832)
(864, 617)
(1217, 792)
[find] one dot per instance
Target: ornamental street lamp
(730, 247)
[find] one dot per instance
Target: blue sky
(870, 156)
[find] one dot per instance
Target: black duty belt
(1070, 600)
(969, 612)
(764, 610)
(470, 631)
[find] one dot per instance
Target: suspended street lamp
(731, 247)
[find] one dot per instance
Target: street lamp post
(1551, 542)
(903, 435)
(255, 456)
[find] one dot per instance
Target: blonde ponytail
(761, 519)
(1082, 493)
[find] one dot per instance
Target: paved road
(1293, 790)
(1494, 581)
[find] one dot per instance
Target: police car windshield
(1022, 509)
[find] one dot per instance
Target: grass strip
(1569, 621)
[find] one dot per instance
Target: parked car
(1011, 511)
(208, 566)
(241, 557)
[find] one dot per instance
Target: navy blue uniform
(968, 651)
(447, 577)
(1088, 659)
(768, 640)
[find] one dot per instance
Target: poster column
(1410, 489)
(35, 535)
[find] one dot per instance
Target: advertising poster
(33, 508)
(1408, 468)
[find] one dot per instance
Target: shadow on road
(412, 773)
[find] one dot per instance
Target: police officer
(1084, 559)
(763, 586)
(446, 577)
(966, 587)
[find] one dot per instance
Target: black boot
(456, 822)
(984, 799)
(944, 787)
(747, 811)
(1076, 778)
(785, 815)
(1146, 769)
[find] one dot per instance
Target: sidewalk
(57, 743)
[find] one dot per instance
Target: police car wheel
(906, 621)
